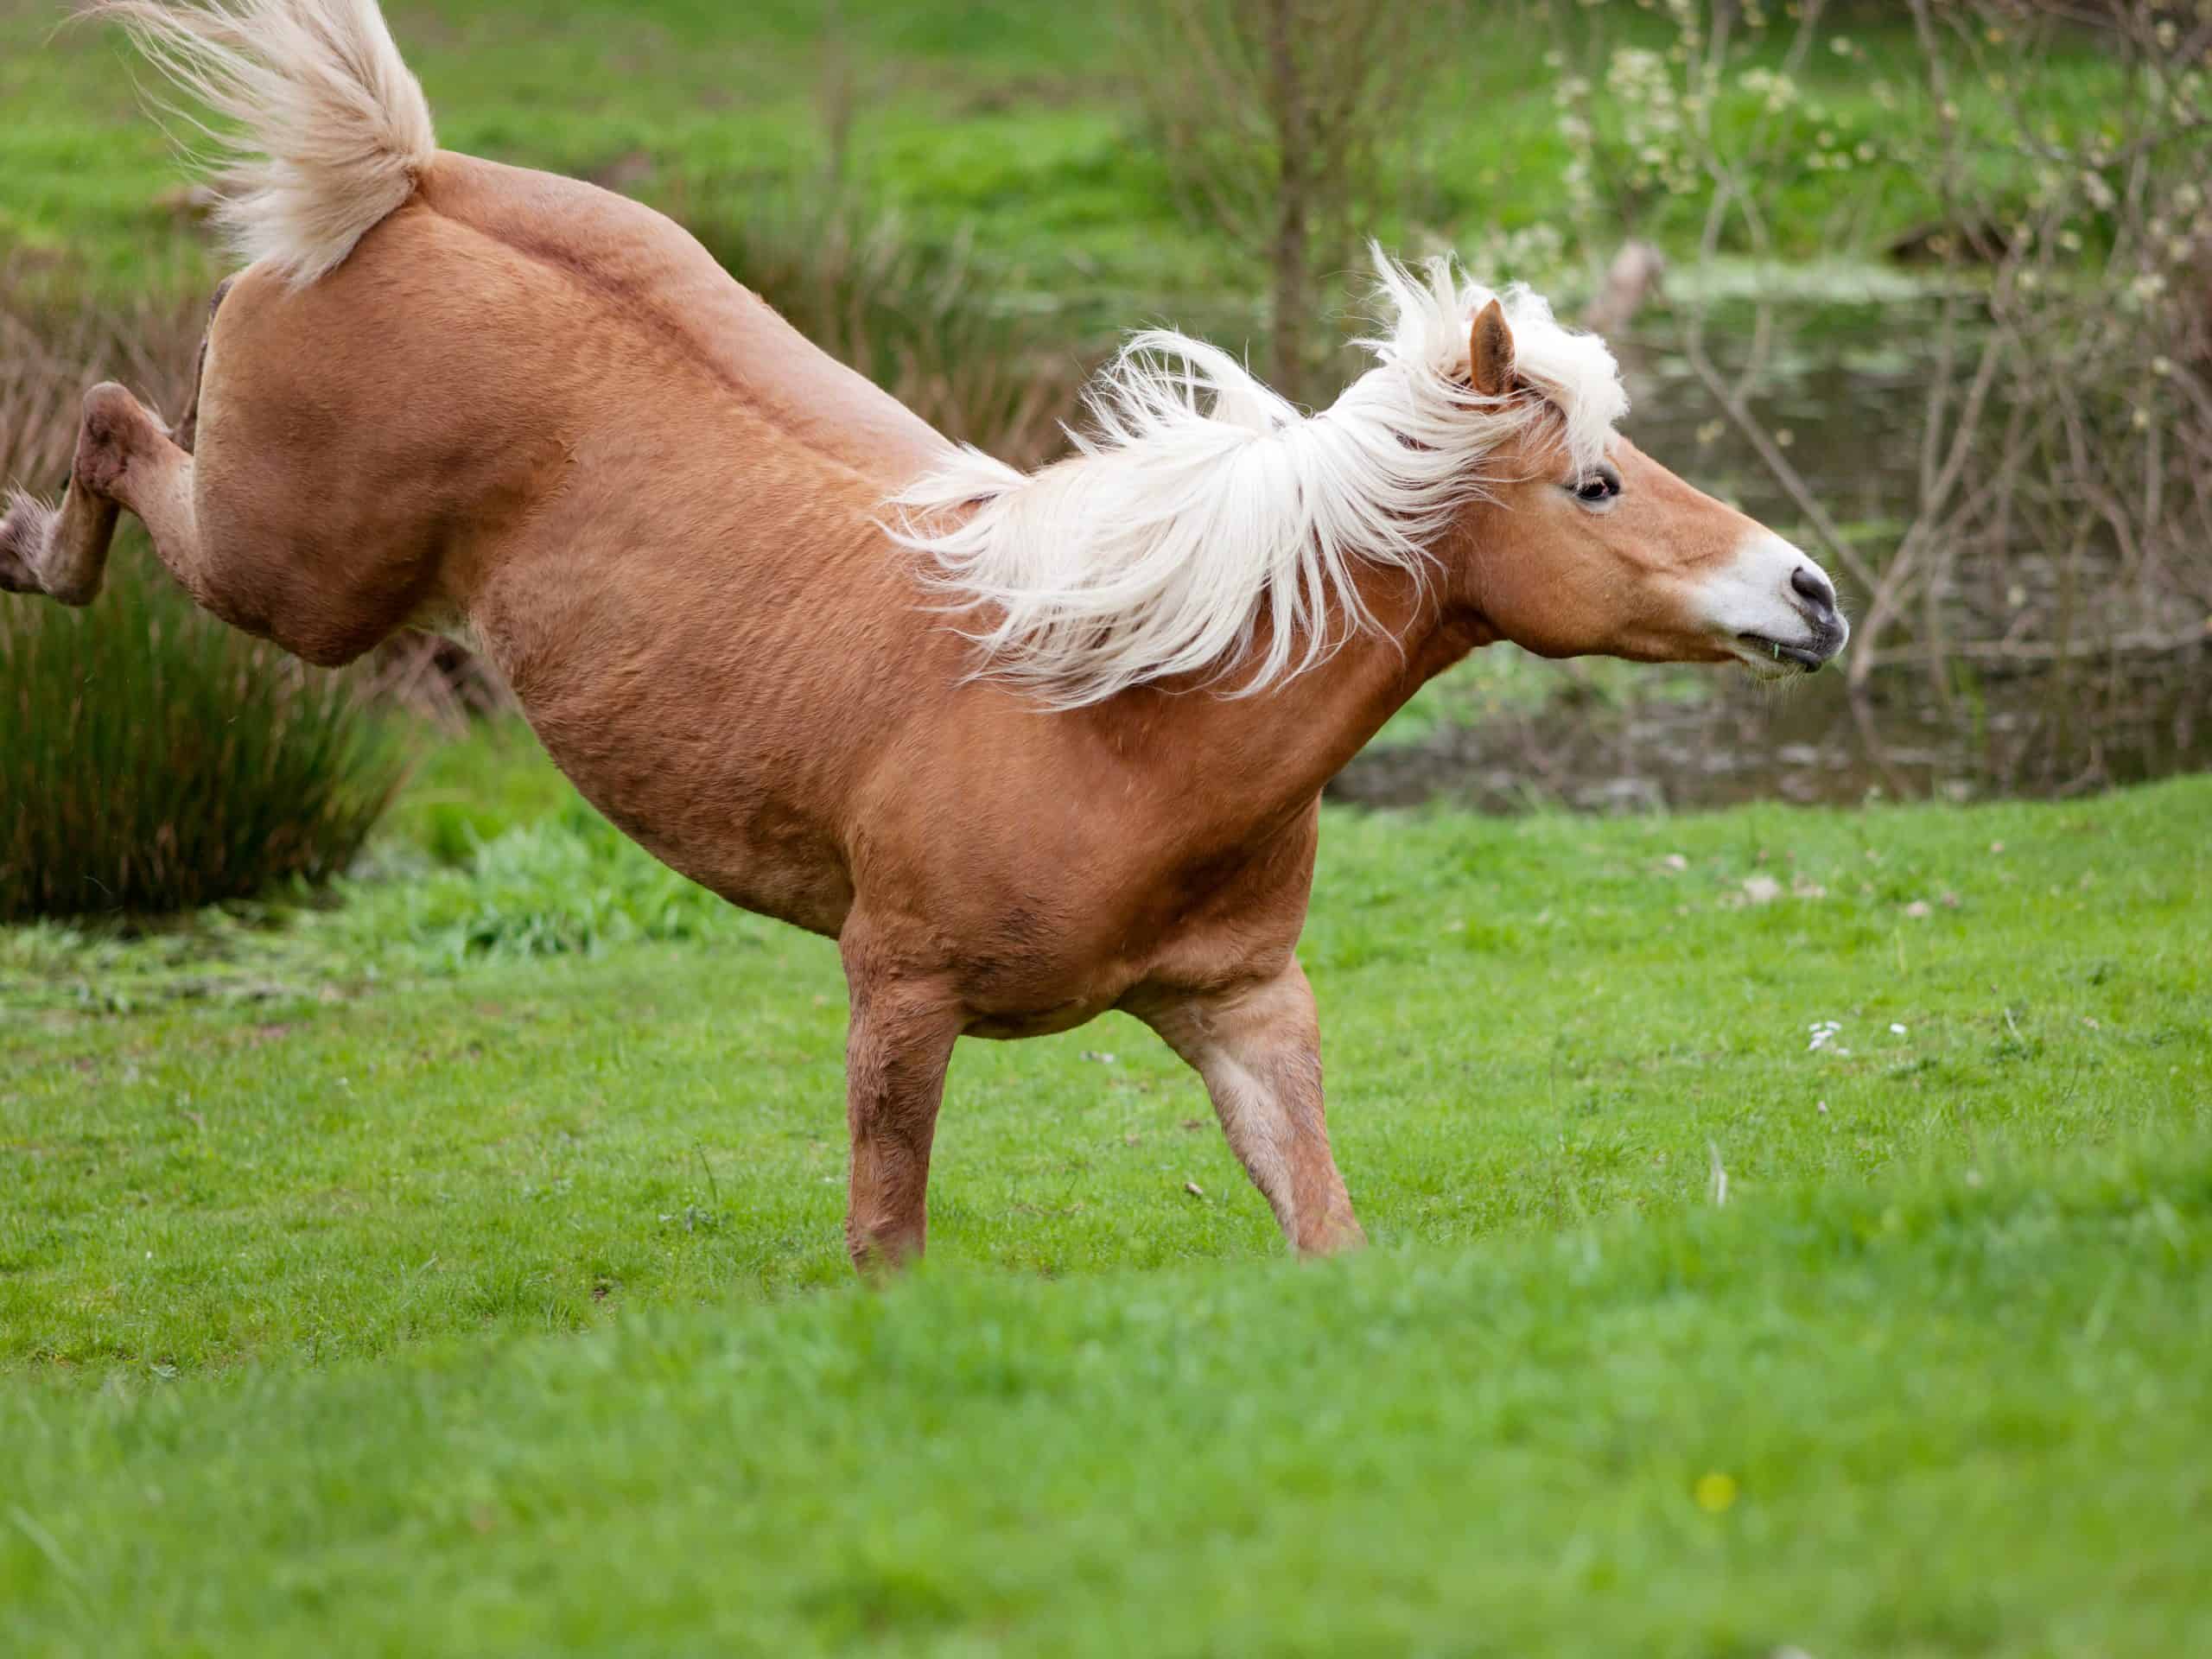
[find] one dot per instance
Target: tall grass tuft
(152, 759)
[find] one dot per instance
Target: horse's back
(658, 275)
(497, 282)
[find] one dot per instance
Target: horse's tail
(332, 131)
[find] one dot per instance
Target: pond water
(1843, 386)
(1810, 742)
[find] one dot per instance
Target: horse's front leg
(897, 1047)
(1258, 1046)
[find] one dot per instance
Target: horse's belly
(1041, 1022)
(781, 874)
(707, 820)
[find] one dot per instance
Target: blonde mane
(1203, 503)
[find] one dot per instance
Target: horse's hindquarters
(359, 437)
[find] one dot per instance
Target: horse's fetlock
(26, 528)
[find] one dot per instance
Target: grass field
(457, 1267)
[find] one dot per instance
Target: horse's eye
(1597, 488)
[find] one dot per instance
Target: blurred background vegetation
(1924, 285)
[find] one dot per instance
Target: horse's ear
(1490, 352)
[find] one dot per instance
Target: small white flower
(1896, 1031)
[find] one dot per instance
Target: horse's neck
(1274, 750)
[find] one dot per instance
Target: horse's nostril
(1808, 583)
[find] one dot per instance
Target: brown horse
(1027, 747)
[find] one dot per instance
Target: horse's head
(1616, 556)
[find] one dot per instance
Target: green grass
(459, 1269)
(1946, 1421)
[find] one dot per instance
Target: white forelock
(1203, 504)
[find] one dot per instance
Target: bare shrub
(1283, 124)
(2069, 445)
(2064, 499)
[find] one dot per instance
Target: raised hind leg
(125, 458)
(1258, 1046)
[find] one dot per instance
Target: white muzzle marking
(1776, 609)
